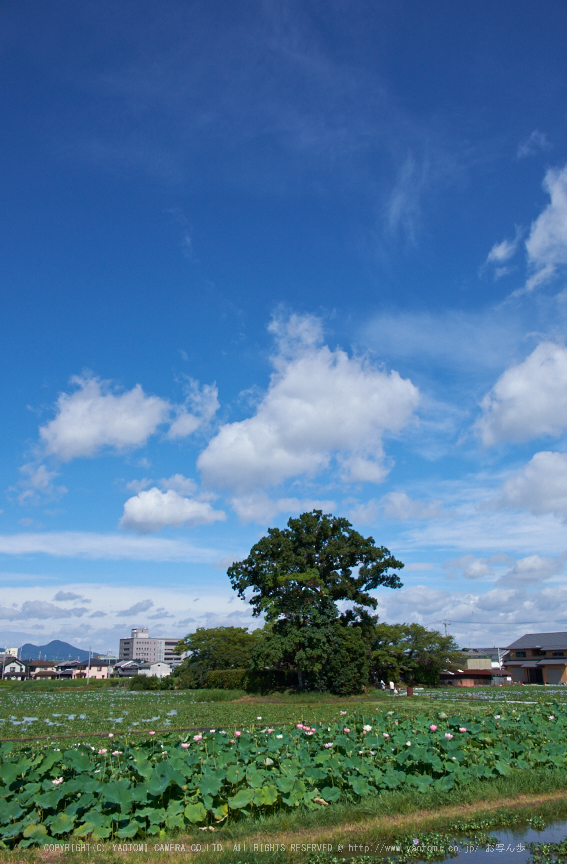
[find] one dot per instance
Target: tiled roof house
(538, 658)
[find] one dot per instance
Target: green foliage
(291, 571)
(150, 682)
(252, 680)
(214, 648)
(140, 789)
(410, 652)
(297, 576)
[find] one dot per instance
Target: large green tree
(296, 577)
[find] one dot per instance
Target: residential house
(538, 658)
(13, 669)
(96, 668)
(37, 669)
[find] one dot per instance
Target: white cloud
(115, 547)
(67, 596)
(533, 569)
(395, 506)
(37, 483)
(258, 507)
(502, 252)
(320, 404)
(40, 609)
(528, 400)
(153, 509)
(141, 606)
(474, 568)
(541, 486)
(204, 404)
(546, 245)
(533, 144)
(476, 619)
(179, 483)
(399, 507)
(92, 417)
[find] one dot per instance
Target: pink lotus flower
(58, 781)
(185, 745)
(448, 735)
(237, 734)
(110, 735)
(344, 712)
(385, 734)
(269, 731)
(232, 741)
(346, 730)
(101, 752)
(299, 726)
(433, 727)
(395, 722)
(408, 743)
(197, 737)
(151, 733)
(117, 752)
(462, 729)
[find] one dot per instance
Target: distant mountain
(55, 650)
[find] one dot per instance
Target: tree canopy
(215, 648)
(297, 576)
(310, 563)
(410, 652)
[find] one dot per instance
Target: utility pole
(445, 624)
(89, 666)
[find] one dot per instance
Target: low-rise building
(538, 658)
(154, 670)
(13, 669)
(41, 669)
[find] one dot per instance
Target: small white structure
(154, 670)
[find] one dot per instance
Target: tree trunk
(300, 678)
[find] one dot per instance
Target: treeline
(349, 654)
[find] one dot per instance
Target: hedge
(252, 680)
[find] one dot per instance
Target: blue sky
(263, 257)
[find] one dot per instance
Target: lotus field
(162, 783)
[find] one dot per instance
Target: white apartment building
(140, 646)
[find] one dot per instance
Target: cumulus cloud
(541, 486)
(93, 417)
(533, 569)
(142, 606)
(546, 245)
(529, 400)
(153, 509)
(258, 507)
(474, 568)
(203, 404)
(320, 404)
(179, 483)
